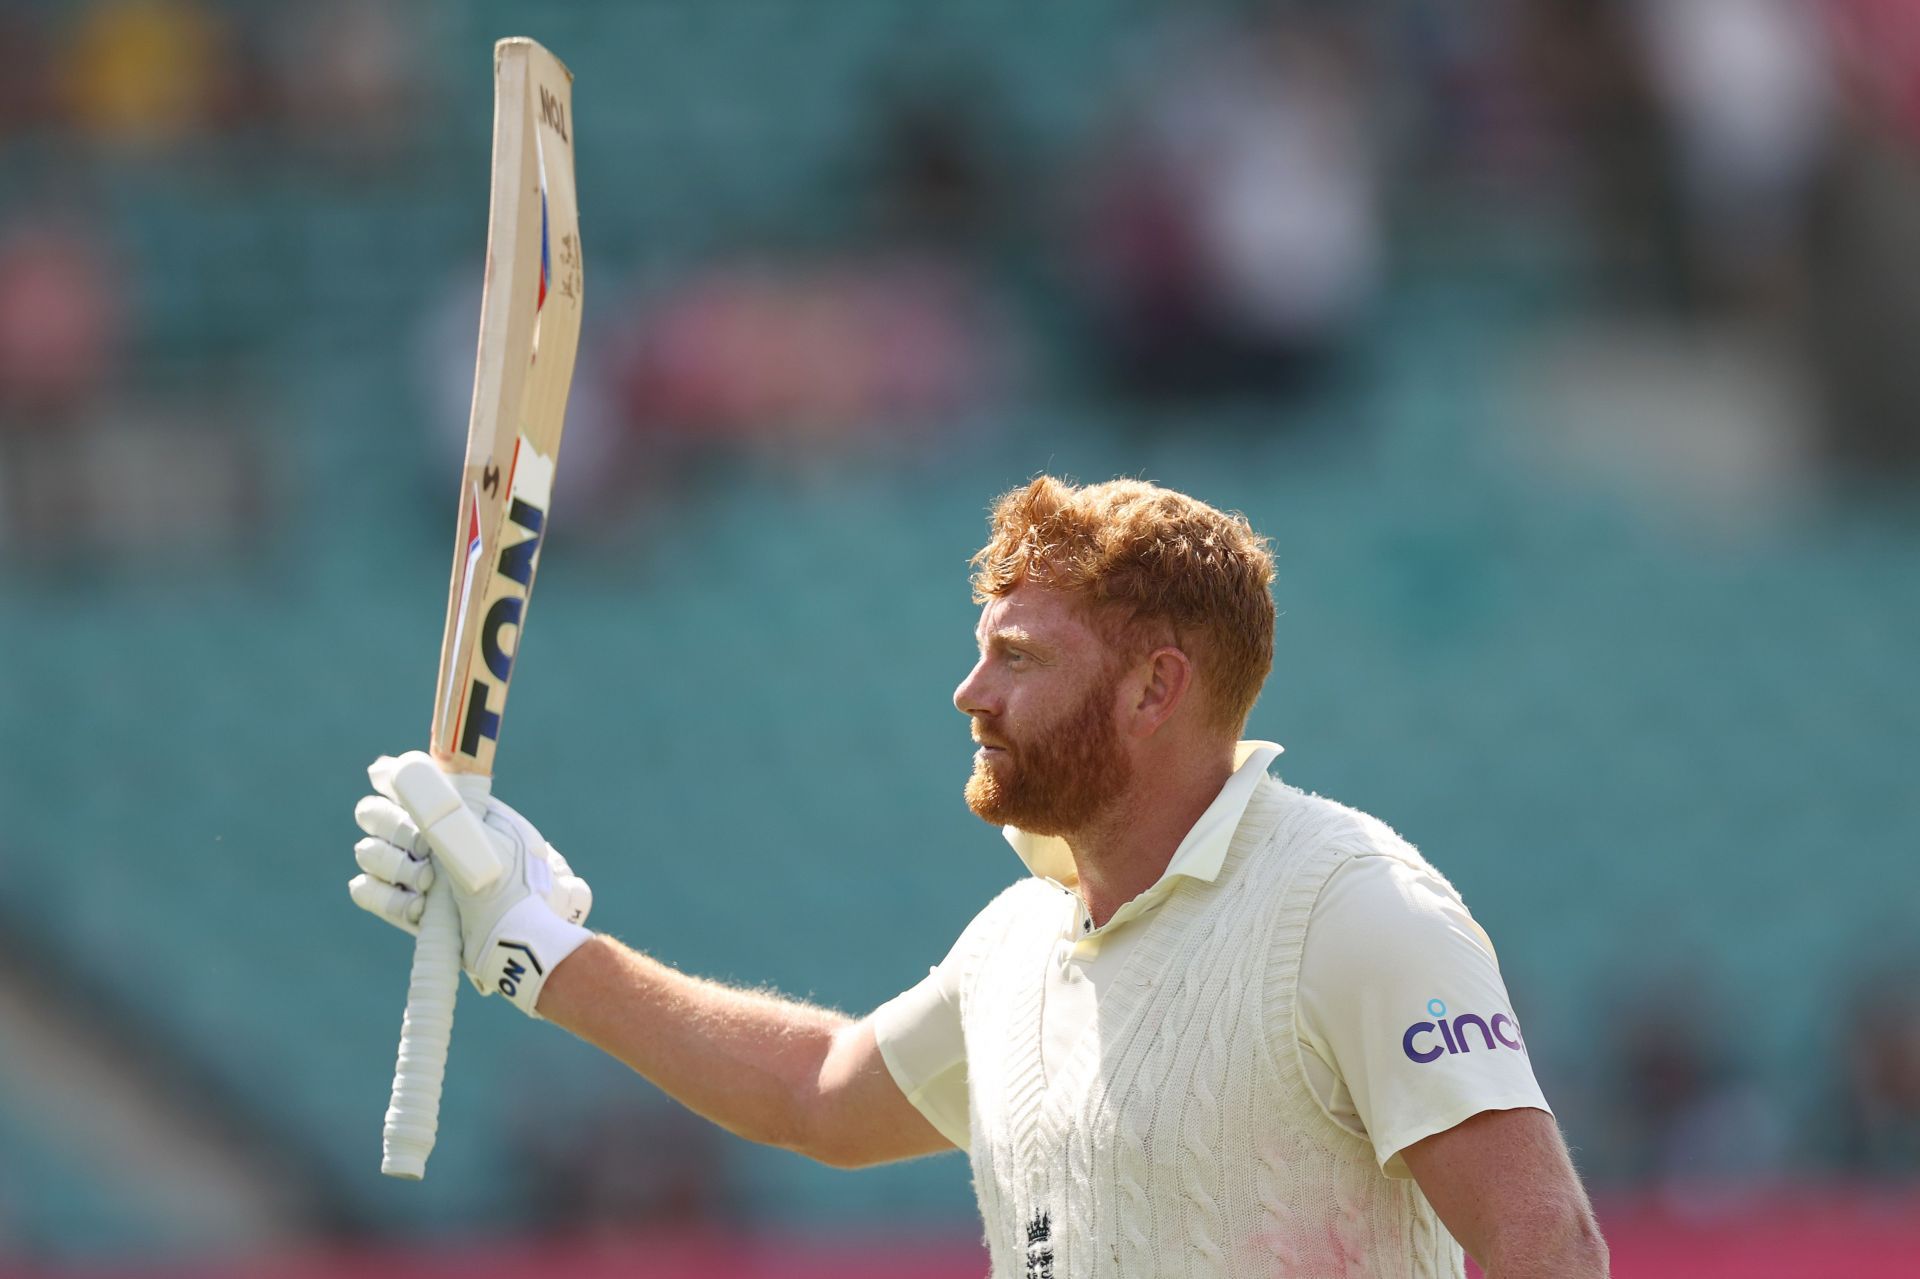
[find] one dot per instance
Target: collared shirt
(1390, 949)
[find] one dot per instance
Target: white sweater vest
(1179, 1137)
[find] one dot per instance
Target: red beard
(1059, 780)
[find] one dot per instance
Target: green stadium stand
(1630, 744)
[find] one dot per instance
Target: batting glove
(512, 933)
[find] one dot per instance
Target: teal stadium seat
(1622, 742)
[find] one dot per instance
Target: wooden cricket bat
(529, 332)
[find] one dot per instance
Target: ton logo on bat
(516, 565)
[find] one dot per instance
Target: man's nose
(971, 698)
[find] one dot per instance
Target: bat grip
(413, 1116)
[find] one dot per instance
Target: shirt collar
(1201, 853)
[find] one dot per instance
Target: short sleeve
(923, 1042)
(1401, 996)
(920, 1039)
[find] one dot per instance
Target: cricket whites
(529, 331)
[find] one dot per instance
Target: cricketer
(1220, 1027)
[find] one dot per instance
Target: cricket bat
(529, 331)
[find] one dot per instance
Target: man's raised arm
(766, 1068)
(770, 1069)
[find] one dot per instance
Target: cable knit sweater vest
(1180, 1138)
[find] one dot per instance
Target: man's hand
(513, 933)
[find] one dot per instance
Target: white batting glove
(512, 933)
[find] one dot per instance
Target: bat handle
(413, 1116)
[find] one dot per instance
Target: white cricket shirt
(1405, 1025)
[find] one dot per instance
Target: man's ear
(1159, 684)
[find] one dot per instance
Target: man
(1223, 1028)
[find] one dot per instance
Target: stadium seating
(1634, 745)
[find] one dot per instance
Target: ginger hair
(1148, 566)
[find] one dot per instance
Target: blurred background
(1569, 351)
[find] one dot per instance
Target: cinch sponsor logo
(1427, 1041)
